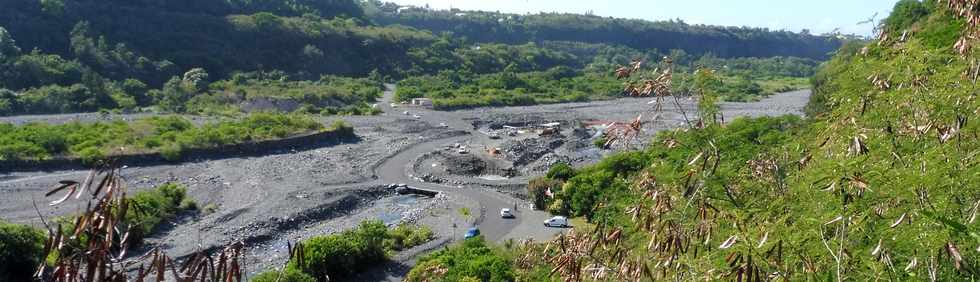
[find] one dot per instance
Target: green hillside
(727, 42)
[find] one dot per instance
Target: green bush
(904, 14)
(21, 249)
(406, 236)
(288, 275)
(561, 171)
(472, 260)
(151, 207)
(335, 256)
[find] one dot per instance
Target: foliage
(287, 275)
(21, 251)
(453, 90)
(472, 260)
(329, 95)
(906, 13)
(406, 236)
(196, 34)
(151, 207)
(337, 256)
(537, 191)
(98, 236)
(560, 171)
(169, 135)
(464, 89)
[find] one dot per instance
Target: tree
(561, 171)
(173, 96)
(8, 102)
(196, 79)
(705, 83)
(8, 47)
(537, 190)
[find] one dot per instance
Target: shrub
(21, 248)
(472, 259)
(151, 207)
(335, 256)
(406, 236)
(561, 171)
(904, 14)
(558, 207)
(288, 275)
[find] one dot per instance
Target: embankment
(247, 149)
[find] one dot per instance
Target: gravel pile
(526, 151)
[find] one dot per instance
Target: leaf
(838, 218)
(729, 243)
(696, 158)
(763, 241)
(899, 221)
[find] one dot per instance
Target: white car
(443, 125)
(406, 113)
(558, 221)
(417, 116)
(506, 213)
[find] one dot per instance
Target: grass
(783, 84)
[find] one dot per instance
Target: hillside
(880, 182)
(727, 42)
(65, 56)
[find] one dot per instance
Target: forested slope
(728, 42)
(63, 56)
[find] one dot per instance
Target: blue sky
(819, 16)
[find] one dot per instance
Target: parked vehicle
(506, 213)
(473, 232)
(406, 113)
(443, 125)
(558, 221)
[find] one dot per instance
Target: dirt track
(294, 195)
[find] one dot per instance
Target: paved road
(397, 169)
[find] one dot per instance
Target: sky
(819, 16)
